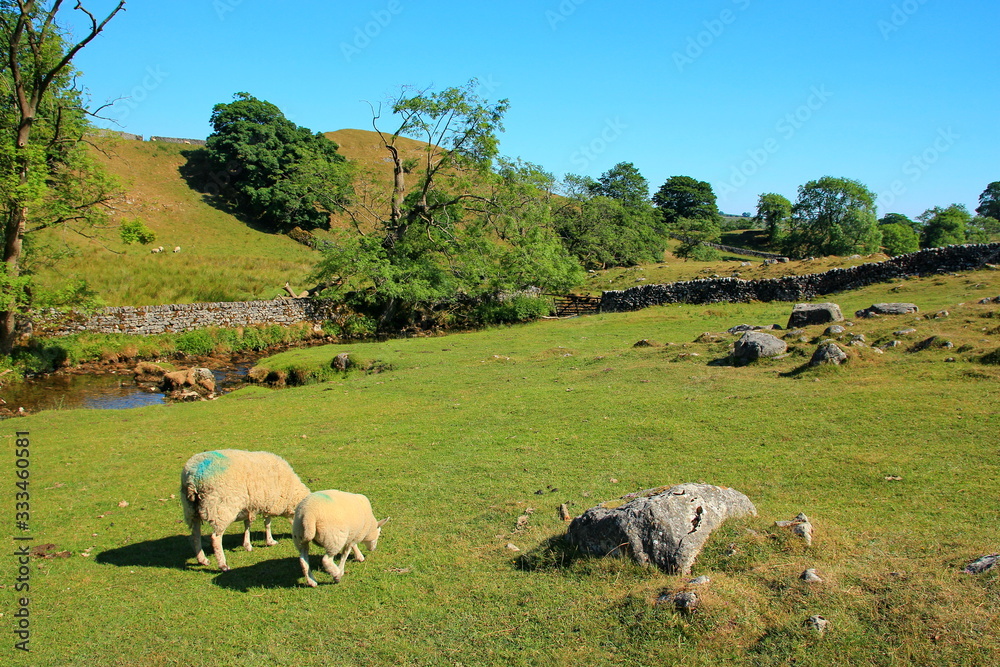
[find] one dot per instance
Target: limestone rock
(818, 623)
(810, 576)
(887, 309)
(982, 564)
(805, 314)
(799, 526)
(754, 345)
(834, 330)
(830, 353)
(666, 527)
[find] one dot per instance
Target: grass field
(464, 434)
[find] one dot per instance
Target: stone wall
(807, 287)
(175, 140)
(173, 318)
(102, 132)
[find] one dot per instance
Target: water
(99, 391)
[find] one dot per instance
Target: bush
(135, 231)
(703, 253)
(511, 311)
(198, 342)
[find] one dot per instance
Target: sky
(748, 95)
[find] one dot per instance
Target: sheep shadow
(270, 574)
(174, 551)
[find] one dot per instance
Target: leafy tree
(684, 197)
(46, 176)
(602, 232)
(833, 216)
(470, 226)
(624, 183)
(983, 229)
(899, 239)
(136, 231)
(694, 233)
(900, 235)
(280, 175)
(773, 211)
(989, 201)
(944, 226)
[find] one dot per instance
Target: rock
(810, 577)
(794, 333)
(799, 526)
(645, 342)
(887, 309)
(982, 564)
(833, 330)
(148, 372)
(904, 332)
(892, 343)
(708, 337)
(830, 353)
(699, 581)
(932, 342)
(740, 328)
(512, 547)
(200, 380)
(664, 527)
(857, 340)
(818, 623)
(684, 601)
(754, 345)
(564, 513)
(941, 314)
(341, 362)
(805, 314)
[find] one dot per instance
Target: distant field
(892, 457)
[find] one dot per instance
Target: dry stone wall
(176, 318)
(804, 288)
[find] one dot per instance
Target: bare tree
(36, 56)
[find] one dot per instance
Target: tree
(278, 175)
(684, 197)
(833, 216)
(694, 234)
(899, 234)
(989, 201)
(45, 177)
(944, 226)
(603, 232)
(624, 183)
(898, 219)
(470, 225)
(983, 229)
(773, 211)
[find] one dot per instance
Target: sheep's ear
(383, 521)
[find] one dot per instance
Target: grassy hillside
(221, 258)
(891, 457)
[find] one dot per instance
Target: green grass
(468, 432)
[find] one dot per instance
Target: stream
(114, 389)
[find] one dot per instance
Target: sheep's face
(371, 541)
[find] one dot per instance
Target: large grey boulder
(753, 345)
(887, 309)
(666, 527)
(804, 314)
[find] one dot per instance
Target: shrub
(510, 311)
(198, 342)
(133, 230)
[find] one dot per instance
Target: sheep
(222, 486)
(336, 521)
(154, 250)
(177, 249)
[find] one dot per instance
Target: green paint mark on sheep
(213, 464)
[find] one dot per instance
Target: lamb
(222, 486)
(336, 521)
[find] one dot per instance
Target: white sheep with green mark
(337, 521)
(227, 485)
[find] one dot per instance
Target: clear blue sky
(748, 95)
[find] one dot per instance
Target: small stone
(819, 624)
(833, 330)
(982, 564)
(700, 581)
(810, 576)
(512, 547)
(904, 332)
(799, 526)
(684, 601)
(950, 360)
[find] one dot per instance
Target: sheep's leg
(304, 562)
(268, 539)
(357, 553)
(220, 555)
(199, 550)
(246, 534)
(329, 566)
